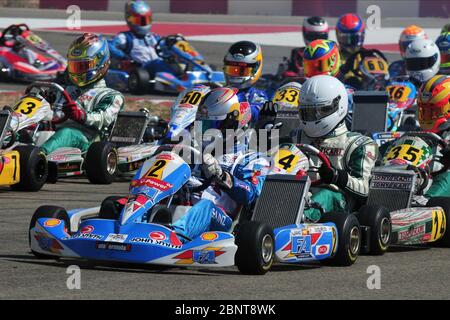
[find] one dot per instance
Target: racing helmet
(138, 16)
(314, 28)
(443, 43)
(243, 64)
(434, 103)
(222, 110)
(408, 35)
(323, 105)
(409, 150)
(88, 59)
(350, 32)
(321, 57)
(422, 59)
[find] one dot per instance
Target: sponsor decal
(209, 236)
(412, 232)
(156, 242)
(157, 235)
(116, 237)
(52, 223)
(87, 229)
(152, 183)
(48, 244)
(113, 246)
(332, 152)
(205, 256)
(87, 236)
(322, 249)
(164, 156)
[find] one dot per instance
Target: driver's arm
(117, 46)
(105, 111)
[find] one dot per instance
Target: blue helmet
(350, 32)
(138, 15)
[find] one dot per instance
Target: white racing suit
(218, 206)
(102, 106)
(354, 156)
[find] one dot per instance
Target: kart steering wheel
(165, 44)
(14, 30)
(52, 92)
(434, 139)
(309, 150)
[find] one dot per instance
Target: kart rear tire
(33, 169)
(47, 212)
(138, 81)
(110, 208)
(379, 220)
(444, 203)
(101, 162)
(256, 248)
(349, 238)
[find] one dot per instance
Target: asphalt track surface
(411, 273)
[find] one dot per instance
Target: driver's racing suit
(353, 154)
(256, 98)
(102, 106)
(441, 183)
(218, 206)
(141, 49)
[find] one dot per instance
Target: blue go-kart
(188, 66)
(137, 228)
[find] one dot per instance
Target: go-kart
(23, 167)
(402, 97)
(122, 151)
(399, 184)
(189, 69)
(24, 56)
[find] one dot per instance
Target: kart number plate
(290, 96)
(286, 160)
(113, 246)
(28, 106)
(398, 93)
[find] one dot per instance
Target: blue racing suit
(397, 69)
(256, 98)
(218, 206)
(141, 49)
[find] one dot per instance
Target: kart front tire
(379, 220)
(138, 81)
(444, 203)
(33, 169)
(256, 248)
(47, 212)
(101, 163)
(110, 208)
(349, 238)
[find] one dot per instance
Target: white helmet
(323, 105)
(422, 59)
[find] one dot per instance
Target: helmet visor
(350, 39)
(238, 69)
(430, 113)
(310, 36)
(317, 112)
(80, 66)
(141, 20)
(418, 64)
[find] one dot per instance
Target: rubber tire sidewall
(371, 216)
(30, 157)
(248, 256)
(143, 78)
(96, 163)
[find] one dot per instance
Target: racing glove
(212, 170)
(333, 176)
(75, 112)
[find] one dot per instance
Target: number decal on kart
(375, 65)
(286, 160)
(438, 225)
(28, 106)
(192, 98)
(287, 95)
(398, 93)
(156, 171)
(406, 152)
(186, 47)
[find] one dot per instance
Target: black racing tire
(101, 162)
(349, 238)
(378, 219)
(110, 208)
(47, 212)
(256, 248)
(444, 203)
(33, 168)
(138, 81)
(3, 75)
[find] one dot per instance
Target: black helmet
(315, 28)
